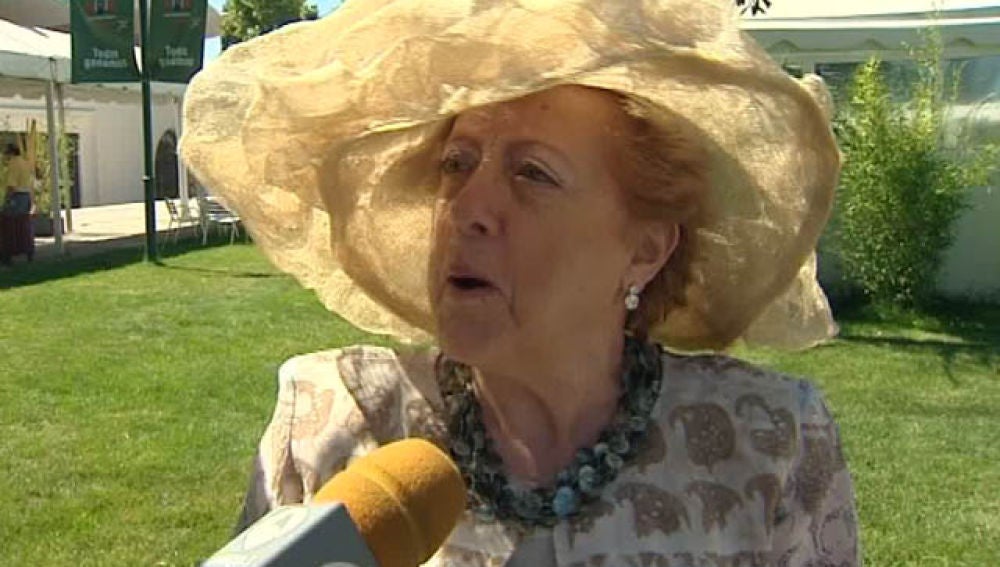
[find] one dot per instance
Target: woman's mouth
(469, 283)
(464, 280)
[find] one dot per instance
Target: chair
(215, 213)
(178, 219)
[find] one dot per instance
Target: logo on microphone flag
(282, 521)
(293, 536)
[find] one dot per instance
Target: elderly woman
(569, 199)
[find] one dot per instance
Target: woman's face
(532, 245)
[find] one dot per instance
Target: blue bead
(614, 462)
(637, 423)
(527, 507)
(565, 502)
(587, 480)
(619, 444)
(564, 477)
(601, 449)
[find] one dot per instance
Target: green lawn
(132, 395)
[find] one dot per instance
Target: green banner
(176, 39)
(103, 38)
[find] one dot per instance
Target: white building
(104, 121)
(105, 124)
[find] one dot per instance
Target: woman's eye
(453, 162)
(535, 173)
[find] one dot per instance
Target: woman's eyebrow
(461, 139)
(535, 143)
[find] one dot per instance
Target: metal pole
(54, 166)
(64, 174)
(182, 177)
(147, 137)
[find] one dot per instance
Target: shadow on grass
(973, 331)
(980, 353)
(221, 272)
(107, 256)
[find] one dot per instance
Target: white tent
(805, 33)
(40, 54)
(830, 37)
(35, 74)
(34, 53)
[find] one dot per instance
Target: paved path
(97, 229)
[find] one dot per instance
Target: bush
(43, 185)
(906, 179)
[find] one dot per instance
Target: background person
(16, 236)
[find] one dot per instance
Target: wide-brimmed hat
(323, 136)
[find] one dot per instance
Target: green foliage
(245, 19)
(908, 172)
(34, 147)
(3, 175)
(755, 7)
(43, 185)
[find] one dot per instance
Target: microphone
(391, 508)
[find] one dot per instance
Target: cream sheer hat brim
(324, 135)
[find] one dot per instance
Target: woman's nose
(477, 208)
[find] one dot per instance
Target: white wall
(116, 151)
(110, 131)
(971, 266)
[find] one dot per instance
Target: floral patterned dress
(742, 467)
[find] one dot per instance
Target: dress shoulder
(722, 373)
(744, 387)
(395, 390)
(755, 442)
(333, 406)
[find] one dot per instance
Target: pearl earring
(632, 298)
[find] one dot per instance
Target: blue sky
(212, 45)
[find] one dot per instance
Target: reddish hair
(664, 175)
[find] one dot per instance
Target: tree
(755, 6)
(908, 172)
(244, 19)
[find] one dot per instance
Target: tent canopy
(853, 30)
(798, 9)
(32, 54)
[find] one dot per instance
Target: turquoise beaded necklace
(492, 496)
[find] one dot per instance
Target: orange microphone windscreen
(404, 498)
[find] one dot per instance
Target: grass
(917, 398)
(132, 396)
